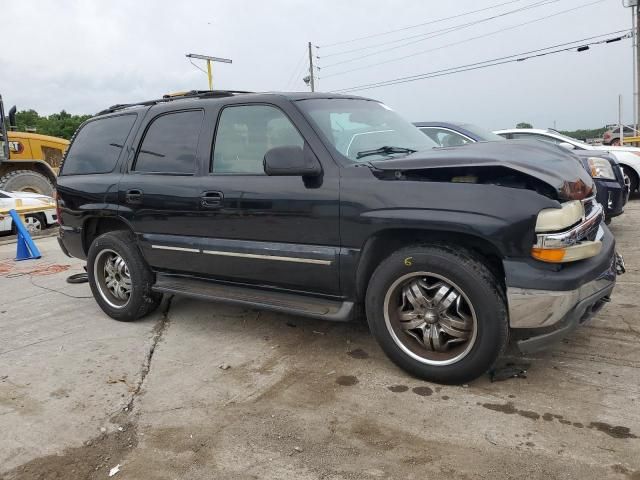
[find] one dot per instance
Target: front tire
(438, 312)
(119, 277)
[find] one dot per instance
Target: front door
(269, 230)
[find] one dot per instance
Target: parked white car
(35, 221)
(628, 157)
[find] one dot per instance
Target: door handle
(133, 196)
(211, 199)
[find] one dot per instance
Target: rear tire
(438, 312)
(119, 277)
(26, 181)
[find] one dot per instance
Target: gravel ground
(80, 393)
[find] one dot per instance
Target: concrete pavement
(80, 393)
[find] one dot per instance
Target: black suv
(324, 206)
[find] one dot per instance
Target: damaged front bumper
(545, 305)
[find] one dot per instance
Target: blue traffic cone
(27, 249)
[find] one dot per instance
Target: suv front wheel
(438, 312)
(119, 277)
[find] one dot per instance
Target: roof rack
(175, 96)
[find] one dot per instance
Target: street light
(209, 60)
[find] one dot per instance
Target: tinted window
(535, 136)
(97, 145)
(482, 133)
(444, 137)
(170, 144)
(246, 133)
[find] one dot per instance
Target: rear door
(159, 194)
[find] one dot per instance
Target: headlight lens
(600, 168)
(556, 219)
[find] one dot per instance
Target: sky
(82, 56)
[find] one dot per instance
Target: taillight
(58, 209)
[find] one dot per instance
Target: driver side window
(245, 133)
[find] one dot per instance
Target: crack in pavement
(91, 460)
(158, 332)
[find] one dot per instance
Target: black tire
(469, 274)
(141, 299)
(26, 181)
(633, 178)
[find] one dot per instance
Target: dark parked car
(323, 205)
(611, 183)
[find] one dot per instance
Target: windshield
(364, 130)
(484, 134)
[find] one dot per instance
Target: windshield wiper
(386, 150)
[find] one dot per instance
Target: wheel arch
(93, 227)
(633, 170)
(383, 243)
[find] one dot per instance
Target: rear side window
(170, 144)
(97, 145)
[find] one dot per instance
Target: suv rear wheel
(438, 312)
(119, 277)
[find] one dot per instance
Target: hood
(555, 166)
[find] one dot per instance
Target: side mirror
(567, 145)
(292, 161)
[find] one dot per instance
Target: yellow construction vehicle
(29, 162)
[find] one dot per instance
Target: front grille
(591, 233)
(588, 205)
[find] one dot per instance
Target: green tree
(583, 134)
(61, 124)
(524, 125)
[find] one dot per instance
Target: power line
(461, 41)
(436, 33)
(296, 69)
(490, 63)
(352, 40)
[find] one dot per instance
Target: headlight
(556, 219)
(600, 168)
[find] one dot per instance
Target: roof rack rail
(174, 96)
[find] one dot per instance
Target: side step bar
(295, 304)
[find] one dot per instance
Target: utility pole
(620, 119)
(636, 64)
(634, 50)
(209, 66)
(635, 24)
(311, 75)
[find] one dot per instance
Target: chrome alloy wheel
(430, 318)
(112, 278)
(33, 224)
